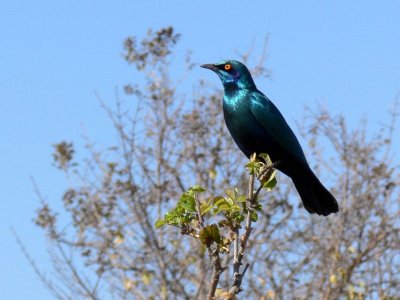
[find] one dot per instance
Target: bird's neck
(238, 87)
(231, 87)
(235, 91)
(241, 84)
(234, 96)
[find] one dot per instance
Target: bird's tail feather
(316, 198)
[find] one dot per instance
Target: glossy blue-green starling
(257, 126)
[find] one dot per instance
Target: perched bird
(257, 126)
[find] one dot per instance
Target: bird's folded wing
(269, 117)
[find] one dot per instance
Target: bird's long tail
(316, 198)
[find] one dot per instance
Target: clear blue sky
(55, 54)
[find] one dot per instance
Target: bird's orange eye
(227, 67)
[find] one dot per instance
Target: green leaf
(210, 234)
(160, 223)
(266, 158)
(241, 198)
(197, 189)
(235, 208)
(254, 216)
(230, 193)
(213, 200)
(170, 215)
(204, 207)
(229, 201)
(271, 183)
(224, 207)
(258, 207)
(220, 202)
(186, 196)
(239, 218)
(188, 204)
(252, 166)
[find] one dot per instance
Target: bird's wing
(270, 118)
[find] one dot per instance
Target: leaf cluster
(223, 213)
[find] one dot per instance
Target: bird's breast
(247, 133)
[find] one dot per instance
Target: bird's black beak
(210, 66)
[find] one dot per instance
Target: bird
(257, 126)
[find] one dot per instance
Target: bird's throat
(233, 97)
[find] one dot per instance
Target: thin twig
(237, 276)
(239, 251)
(217, 271)
(54, 289)
(214, 256)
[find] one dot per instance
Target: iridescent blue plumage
(257, 126)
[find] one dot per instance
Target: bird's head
(232, 72)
